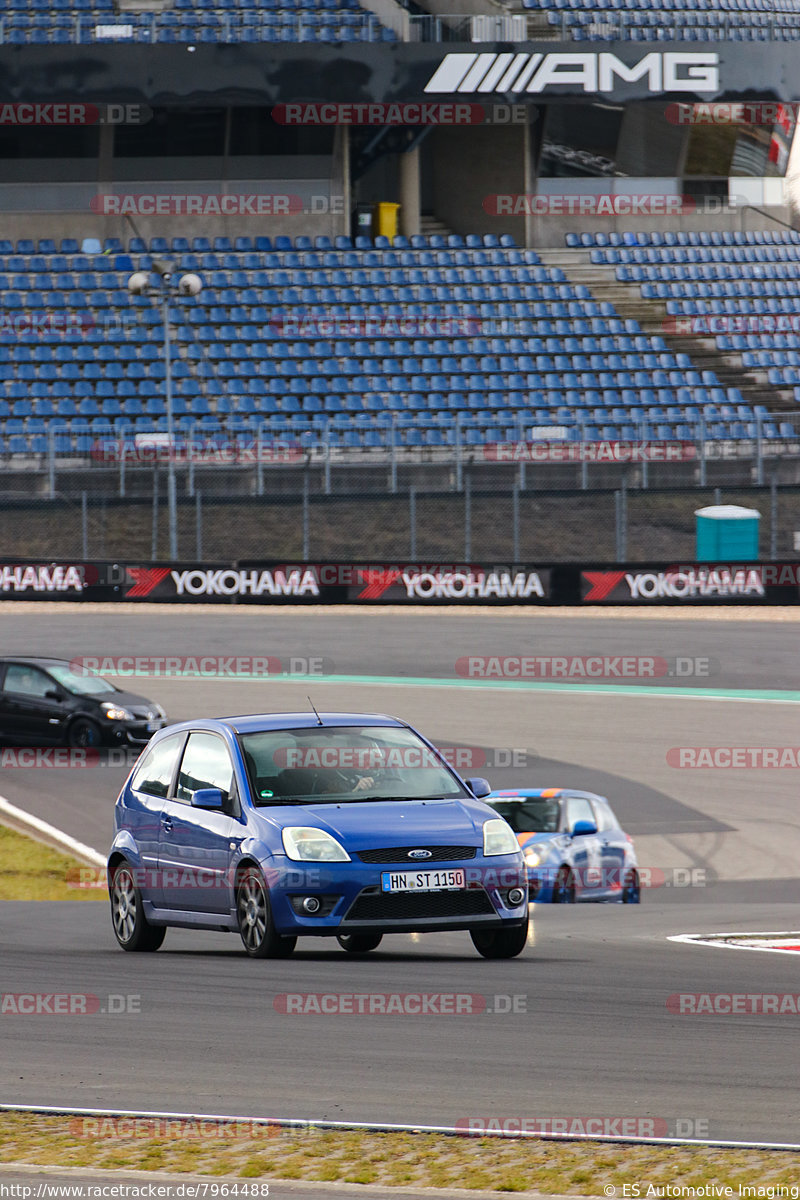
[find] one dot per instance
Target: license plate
(421, 881)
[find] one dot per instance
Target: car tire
(84, 733)
(359, 943)
(254, 918)
(131, 928)
(500, 943)
(632, 888)
(564, 886)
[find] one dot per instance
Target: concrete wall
(469, 164)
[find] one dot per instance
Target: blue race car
(299, 824)
(573, 845)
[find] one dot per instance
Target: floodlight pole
(172, 498)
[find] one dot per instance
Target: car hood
(373, 824)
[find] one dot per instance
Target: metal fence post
(515, 490)
(393, 453)
(121, 444)
(621, 510)
(327, 460)
(306, 527)
(260, 459)
(84, 525)
(773, 518)
(759, 453)
(51, 464)
(703, 459)
(645, 464)
(198, 524)
(154, 535)
(459, 455)
(412, 521)
(192, 443)
(718, 495)
(467, 519)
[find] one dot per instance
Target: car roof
(32, 660)
(261, 722)
(550, 793)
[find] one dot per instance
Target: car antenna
(316, 714)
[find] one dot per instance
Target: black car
(51, 700)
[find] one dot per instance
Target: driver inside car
(329, 768)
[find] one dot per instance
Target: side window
(604, 815)
(206, 764)
(155, 771)
(579, 809)
(27, 681)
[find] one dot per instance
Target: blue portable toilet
(727, 533)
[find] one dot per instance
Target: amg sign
(668, 71)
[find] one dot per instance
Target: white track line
(714, 940)
(49, 834)
(375, 1127)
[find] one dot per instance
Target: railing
(460, 27)
(617, 25)
(147, 27)
(391, 441)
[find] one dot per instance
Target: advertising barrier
(418, 583)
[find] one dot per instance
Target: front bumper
(360, 904)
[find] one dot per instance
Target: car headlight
(303, 843)
(114, 713)
(534, 855)
(499, 838)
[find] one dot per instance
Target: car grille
(405, 906)
(396, 854)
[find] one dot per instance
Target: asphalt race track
(580, 1027)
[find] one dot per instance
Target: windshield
(83, 682)
(531, 815)
(344, 763)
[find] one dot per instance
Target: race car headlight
(114, 713)
(498, 838)
(303, 843)
(536, 855)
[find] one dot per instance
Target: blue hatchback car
(292, 825)
(573, 845)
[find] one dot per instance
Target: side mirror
(583, 828)
(479, 787)
(52, 694)
(207, 798)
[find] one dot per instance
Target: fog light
(515, 897)
(311, 904)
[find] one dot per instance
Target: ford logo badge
(420, 854)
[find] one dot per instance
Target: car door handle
(166, 824)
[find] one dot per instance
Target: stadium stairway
(653, 317)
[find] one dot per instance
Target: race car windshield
(343, 764)
(531, 815)
(82, 682)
